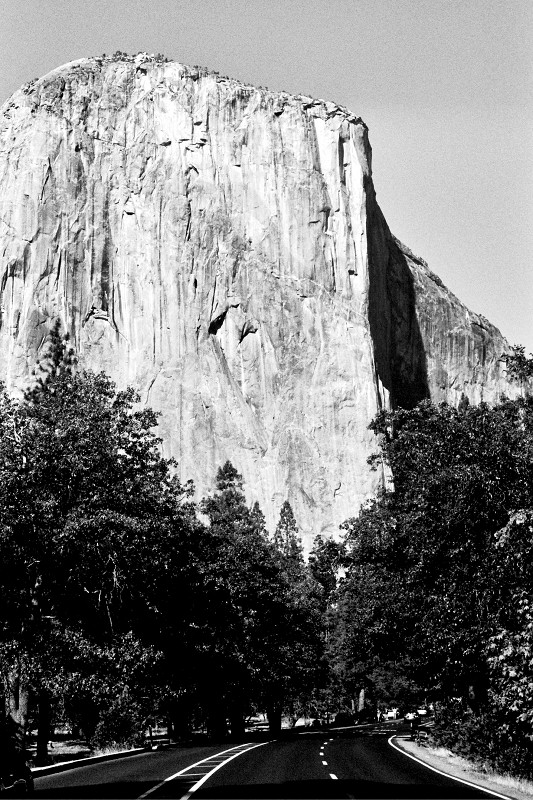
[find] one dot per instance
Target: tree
(325, 561)
(422, 582)
(240, 582)
(519, 366)
(91, 518)
(511, 663)
(287, 536)
(263, 628)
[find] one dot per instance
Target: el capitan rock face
(220, 247)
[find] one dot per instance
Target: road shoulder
(455, 767)
(63, 766)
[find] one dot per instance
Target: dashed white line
(325, 763)
(333, 777)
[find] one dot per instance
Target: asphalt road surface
(351, 763)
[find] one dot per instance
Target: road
(352, 763)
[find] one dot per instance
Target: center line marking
(334, 777)
(325, 763)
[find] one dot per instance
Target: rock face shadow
(399, 352)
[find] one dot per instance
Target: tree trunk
(477, 694)
(274, 719)
(17, 709)
(179, 724)
(43, 728)
(216, 725)
(237, 720)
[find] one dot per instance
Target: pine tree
(288, 543)
(241, 583)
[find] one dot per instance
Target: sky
(445, 87)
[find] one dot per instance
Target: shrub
(486, 739)
(121, 724)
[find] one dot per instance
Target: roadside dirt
(458, 767)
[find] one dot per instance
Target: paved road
(327, 764)
(126, 777)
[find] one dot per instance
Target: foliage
(122, 723)
(263, 642)
(120, 55)
(117, 600)
(519, 366)
(93, 521)
(325, 561)
(484, 738)
(458, 473)
(89, 505)
(438, 574)
(511, 667)
(287, 537)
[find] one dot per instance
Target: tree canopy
(122, 597)
(438, 563)
(93, 520)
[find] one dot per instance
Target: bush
(485, 738)
(121, 725)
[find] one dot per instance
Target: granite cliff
(220, 247)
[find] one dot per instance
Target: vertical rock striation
(220, 247)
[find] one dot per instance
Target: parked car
(422, 711)
(409, 716)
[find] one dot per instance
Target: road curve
(351, 763)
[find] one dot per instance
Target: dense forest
(125, 601)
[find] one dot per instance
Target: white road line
(206, 777)
(195, 774)
(197, 763)
(334, 777)
(446, 774)
(325, 763)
